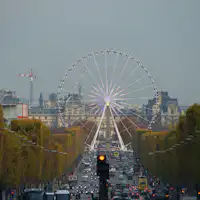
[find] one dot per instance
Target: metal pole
(103, 191)
(108, 122)
(31, 93)
(157, 159)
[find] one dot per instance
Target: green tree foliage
(179, 165)
(24, 163)
(2, 125)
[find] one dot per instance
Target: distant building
(13, 106)
(47, 111)
(47, 114)
(168, 109)
(183, 109)
(51, 102)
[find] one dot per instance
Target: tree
(181, 164)
(24, 163)
(2, 124)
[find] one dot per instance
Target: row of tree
(175, 157)
(177, 160)
(30, 154)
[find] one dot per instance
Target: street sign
(116, 154)
(107, 146)
(72, 178)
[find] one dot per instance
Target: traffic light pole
(108, 122)
(103, 173)
(103, 190)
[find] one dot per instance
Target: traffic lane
(115, 180)
(189, 198)
(112, 162)
(91, 182)
(161, 187)
(174, 197)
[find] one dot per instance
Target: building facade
(13, 106)
(45, 111)
(168, 109)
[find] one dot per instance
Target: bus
(72, 179)
(62, 195)
(33, 194)
(48, 196)
(142, 183)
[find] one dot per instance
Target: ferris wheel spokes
(98, 70)
(106, 73)
(87, 113)
(91, 74)
(97, 90)
(112, 108)
(122, 70)
(87, 138)
(129, 98)
(113, 71)
(107, 92)
(119, 110)
(99, 126)
(118, 107)
(143, 88)
(117, 131)
(135, 82)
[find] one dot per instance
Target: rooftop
(45, 111)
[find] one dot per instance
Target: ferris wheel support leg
(97, 132)
(123, 147)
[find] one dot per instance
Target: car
(135, 193)
(120, 177)
(116, 198)
(160, 195)
(125, 193)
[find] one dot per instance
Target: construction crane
(31, 77)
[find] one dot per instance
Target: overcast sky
(49, 35)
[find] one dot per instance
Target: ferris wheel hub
(107, 101)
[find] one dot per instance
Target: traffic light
(12, 194)
(102, 167)
(198, 195)
(197, 188)
(92, 195)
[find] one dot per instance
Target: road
(88, 181)
(91, 181)
(188, 198)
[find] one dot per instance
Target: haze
(49, 35)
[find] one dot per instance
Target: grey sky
(48, 35)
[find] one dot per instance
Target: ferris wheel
(117, 88)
